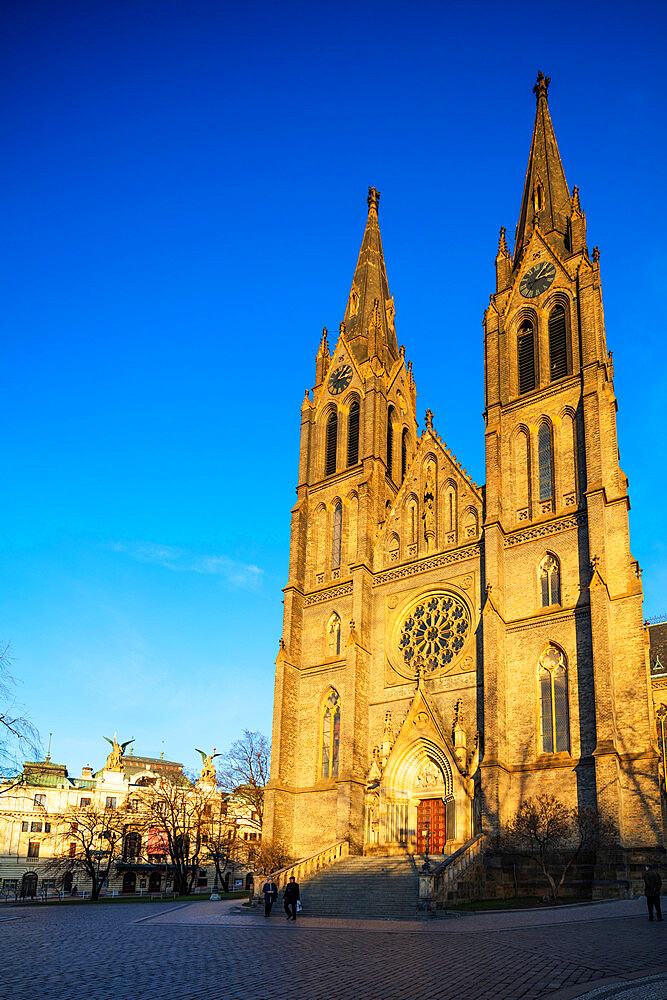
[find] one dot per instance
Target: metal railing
(308, 866)
(456, 865)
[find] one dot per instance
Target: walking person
(270, 890)
(290, 897)
(652, 886)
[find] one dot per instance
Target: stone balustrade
(306, 867)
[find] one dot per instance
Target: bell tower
(358, 432)
(565, 688)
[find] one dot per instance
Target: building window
(526, 357)
(33, 849)
(333, 635)
(337, 535)
(390, 441)
(550, 581)
(544, 462)
(353, 434)
(554, 723)
(331, 444)
(132, 845)
(404, 453)
(24, 827)
(110, 802)
(72, 849)
(330, 735)
(35, 827)
(40, 801)
(83, 803)
(47, 828)
(557, 343)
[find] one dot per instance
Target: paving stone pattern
(205, 950)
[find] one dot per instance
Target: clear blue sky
(184, 197)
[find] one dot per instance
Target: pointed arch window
(544, 465)
(554, 715)
(390, 441)
(526, 357)
(550, 581)
(331, 444)
(333, 635)
(337, 537)
(404, 453)
(353, 434)
(557, 343)
(330, 735)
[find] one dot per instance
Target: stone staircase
(384, 888)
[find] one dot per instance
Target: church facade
(451, 649)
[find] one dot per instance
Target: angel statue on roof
(115, 758)
(208, 771)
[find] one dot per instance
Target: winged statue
(115, 758)
(207, 771)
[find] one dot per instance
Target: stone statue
(208, 771)
(429, 504)
(115, 758)
(429, 775)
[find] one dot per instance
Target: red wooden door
(433, 812)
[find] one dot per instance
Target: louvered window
(353, 434)
(390, 442)
(557, 343)
(544, 462)
(337, 535)
(404, 454)
(526, 357)
(332, 440)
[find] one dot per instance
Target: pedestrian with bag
(291, 897)
(652, 886)
(270, 890)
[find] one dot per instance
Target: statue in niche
(390, 310)
(428, 514)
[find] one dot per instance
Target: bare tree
(91, 844)
(177, 818)
(17, 734)
(554, 837)
(245, 772)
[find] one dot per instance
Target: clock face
(537, 280)
(340, 379)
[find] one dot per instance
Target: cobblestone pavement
(206, 950)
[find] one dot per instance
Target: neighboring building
(657, 634)
(450, 649)
(32, 831)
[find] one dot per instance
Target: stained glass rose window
(434, 632)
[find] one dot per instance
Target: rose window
(434, 633)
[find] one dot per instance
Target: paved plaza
(196, 951)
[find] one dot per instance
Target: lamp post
(426, 906)
(426, 867)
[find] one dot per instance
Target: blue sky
(185, 190)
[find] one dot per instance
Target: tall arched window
(545, 471)
(390, 441)
(333, 635)
(550, 581)
(525, 350)
(336, 541)
(353, 434)
(404, 453)
(132, 845)
(330, 741)
(331, 444)
(557, 343)
(554, 721)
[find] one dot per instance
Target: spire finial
(502, 244)
(542, 85)
(373, 198)
(576, 203)
(428, 417)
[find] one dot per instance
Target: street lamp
(426, 867)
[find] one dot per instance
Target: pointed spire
(546, 197)
(503, 263)
(322, 359)
(369, 316)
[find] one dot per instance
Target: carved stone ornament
(432, 634)
(429, 775)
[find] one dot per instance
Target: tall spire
(546, 199)
(369, 316)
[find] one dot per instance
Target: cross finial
(542, 85)
(373, 198)
(428, 417)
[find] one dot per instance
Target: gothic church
(451, 649)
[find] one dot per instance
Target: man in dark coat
(652, 886)
(290, 897)
(270, 890)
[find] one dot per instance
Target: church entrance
(434, 813)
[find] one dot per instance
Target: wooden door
(433, 812)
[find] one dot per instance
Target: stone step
(379, 887)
